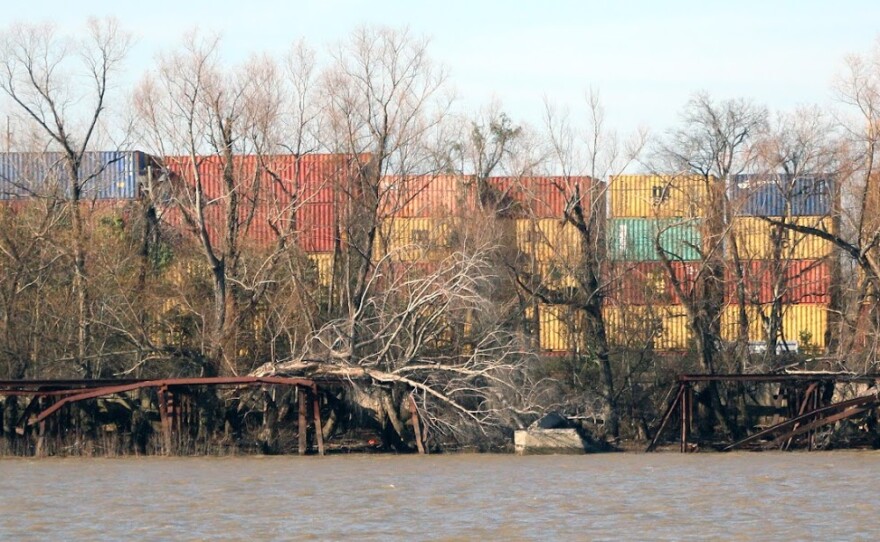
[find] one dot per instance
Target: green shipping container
(632, 239)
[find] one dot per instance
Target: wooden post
(319, 430)
(164, 419)
(684, 418)
(41, 432)
(303, 426)
(417, 426)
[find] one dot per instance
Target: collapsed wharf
(47, 397)
(809, 404)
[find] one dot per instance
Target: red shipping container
(803, 281)
(547, 197)
(316, 227)
(421, 196)
(648, 283)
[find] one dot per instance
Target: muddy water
(784, 496)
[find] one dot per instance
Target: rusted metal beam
(858, 401)
(779, 377)
(65, 387)
(666, 415)
(848, 413)
(808, 396)
(214, 381)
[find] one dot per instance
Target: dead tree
(36, 78)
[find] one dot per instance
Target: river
(668, 496)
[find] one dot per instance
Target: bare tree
(714, 143)
(37, 66)
(583, 160)
(216, 130)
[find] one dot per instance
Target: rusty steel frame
(810, 415)
(71, 391)
(866, 401)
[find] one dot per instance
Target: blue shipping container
(110, 175)
(753, 195)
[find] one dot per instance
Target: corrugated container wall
(422, 196)
(647, 196)
(103, 175)
(803, 281)
(543, 197)
(757, 238)
(413, 239)
(663, 327)
(779, 195)
(649, 283)
(560, 329)
(804, 323)
(323, 268)
(548, 239)
(282, 192)
(632, 239)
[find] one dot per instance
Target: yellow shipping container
(415, 239)
(548, 239)
(647, 196)
(804, 322)
(556, 275)
(636, 326)
(560, 328)
(323, 262)
(730, 323)
(755, 238)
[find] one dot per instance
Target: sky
(645, 57)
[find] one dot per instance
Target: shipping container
(555, 275)
(661, 327)
(277, 194)
(422, 196)
(662, 196)
(316, 226)
(633, 239)
(413, 239)
(757, 239)
(548, 239)
(805, 324)
(561, 329)
(552, 197)
(781, 195)
(803, 281)
(103, 175)
(649, 283)
(323, 264)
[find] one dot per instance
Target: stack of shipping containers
(784, 273)
(643, 307)
(418, 215)
(783, 269)
(552, 252)
(320, 208)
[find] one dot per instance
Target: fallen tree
(437, 336)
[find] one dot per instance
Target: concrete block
(548, 441)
